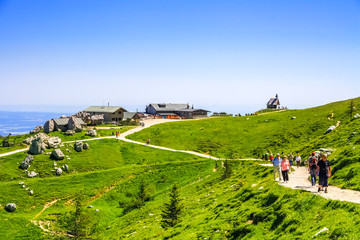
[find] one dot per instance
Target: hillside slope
(273, 132)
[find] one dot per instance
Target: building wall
(60, 127)
(151, 110)
(110, 117)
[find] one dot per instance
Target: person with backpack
(277, 163)
(285, 167)
(298, 160)
(324, 171)
(291, 158)
(312, 167)
(148, 141)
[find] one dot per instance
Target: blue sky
(220, 55)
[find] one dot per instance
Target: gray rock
(21, 183)
(25, 164)
(58, 171)
(54, 164)
(353, 133)
(32, 174)
(57, 154)
(97, 210)
(65, 167)
(74, 125)
(37, 129)
(91, 133)
(357, 116)
(86, 146)
(37, 146)
(53, 142)
(330, 129)
(90, 206)
(49, 126)
(69, 132)
(293, 118)
(10, 207)
(78, 146)
(31, 192)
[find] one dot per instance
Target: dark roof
(168, 106)
(102, 109)
(191, 110)
(65, 121)
(273, 102)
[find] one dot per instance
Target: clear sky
(63, 55)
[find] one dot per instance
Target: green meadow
(252, 136)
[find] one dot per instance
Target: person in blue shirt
(277, 163)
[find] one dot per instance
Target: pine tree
(79, 221)
(172, 210)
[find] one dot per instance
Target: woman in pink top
(285, 167)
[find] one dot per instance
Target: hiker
(148, 141)
(324, 171)
(298, 160)
(291, 158)
(312, 166)
(271, 157)
(285, 167)
(277, 163)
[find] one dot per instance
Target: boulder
(32, 174)
(97, 119)
(10, 207)
(31, 192)
(357, 116)
(69, 132)
(86, 146)
(53, 142)
(37, 129)
(293, 118)
(91, 133)
(74, 125)
(78, 146)
(65, 167)
(37, 146)
(63, 116)
(25, 164)
(353, 133)
(330, 129)
(58, 171)
(57, 154)
(49, 126)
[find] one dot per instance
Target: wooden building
(273, 102)
(173, 111)
(111, 114)
(133, 116)
(62, 123)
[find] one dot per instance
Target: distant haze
(233, 56)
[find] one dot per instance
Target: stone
(58, 171)
(37, 129)
(86, 146)
(90, 206)
(330, 129)
(31, 192)
(293, 118)
(78, 146)
(69, 132)
(25, 164)
(37, 146)
(54, 164)
(91, 133)
(353, 133)
(21, 183)
(57, 154)
(53, 142)
(32, 174)
(65, 167)
(74, 125)
(97, 210)
(357, 116)
(10, 207)
(49, 126)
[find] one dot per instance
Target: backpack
(313, 163)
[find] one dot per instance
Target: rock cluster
(49, 126)
(53, 142)
(25, 164)
(10, 207)
(50, 142)
(91, 133)
(37, 129)
(58, 171)
(37, 146)
(57, 154)
(78, 146)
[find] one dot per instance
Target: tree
(172, 210)
(227, 170)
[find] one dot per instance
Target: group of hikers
(317, 165)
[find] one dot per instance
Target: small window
(120, 112)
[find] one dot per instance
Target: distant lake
(24, 122)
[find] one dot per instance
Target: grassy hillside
(272, 132)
